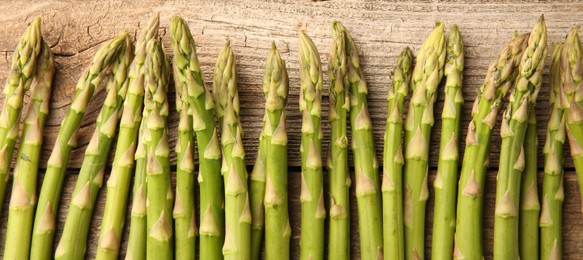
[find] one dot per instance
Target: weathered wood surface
(381, 29)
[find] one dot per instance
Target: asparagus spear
(277, 226)
(512, 154)
(237, 208)
(553, 195)
(158, 180)
(367, 184)
(573, 90)
(339, 232)
(23, 197)
(256, 196)
(445, 184)
(425, 80)
(312, 193)
(184, 215)
(24, 62)
(529, 201)
(90, 179)
(187, 71)
(46, 211)
(392, 186)
(501, 73)
(137, 238)
(119, 180)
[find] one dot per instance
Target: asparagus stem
(187, 72)
(277, 226)
(257, 194)
(512, 154)
(23, 198)
(553, 195)
(529, 200)
(158, 180)
(137, 238)
(46, 211)
(425, 81)
(184, 214)
(501, 73)
(24, 63)
(118, 183)
(368, 196)
(312, 192)
(392, 186)
(90, 179)
(339, 232)
(570, 100)
(237, 209)
(572, 87)
(445, 184)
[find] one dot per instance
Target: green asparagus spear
(237, 209)
(46, 211)
(339, 232)
(529, 201)
(158, 180)
(512, 154)
(118, 183)
(23, 197)
(256, 196)
(445, 184)
(24, 62)
(90, 179)
(137, 238)
(392, 186)
(277, 226)
(187, 71)
(312, 192)
(367, 184)
(425, 81)
(571, 59)
(573, 89)
(501, 73)
(183, 214)
(553, 195)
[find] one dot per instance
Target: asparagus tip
(36, 22)
(273, 47)
(337, 26)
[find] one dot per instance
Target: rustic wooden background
(381, 29)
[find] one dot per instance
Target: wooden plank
(573, 239)
(381, 29)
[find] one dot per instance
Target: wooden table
(381, 30)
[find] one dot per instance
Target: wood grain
(381, 29)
